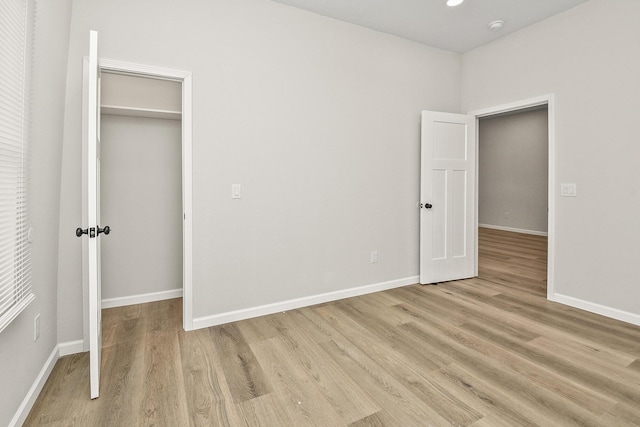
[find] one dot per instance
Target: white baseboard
(514, 230)
(36, 388)
(247, 313)
(71, 347)
(141, 299)
(592, 307)
(63, 349)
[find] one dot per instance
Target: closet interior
(141, 188)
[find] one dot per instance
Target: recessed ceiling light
(496, 25)
(454, 2)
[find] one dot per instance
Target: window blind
(15, 253)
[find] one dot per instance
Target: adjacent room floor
(489, 351)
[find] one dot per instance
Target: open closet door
(447, 197)
(91, 208)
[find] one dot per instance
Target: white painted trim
(187, 202)
(514, 230)
(551, 227)
(247, 313)
(28, 401)
(141, 298)
(71, 347)
(130, 68)
(512, 106)
(121, 67)
(592, 307)
(549, 100)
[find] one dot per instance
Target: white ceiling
(433, 23)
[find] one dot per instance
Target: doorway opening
(512, 199)
(516, 205)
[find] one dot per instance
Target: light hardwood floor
(489, 351)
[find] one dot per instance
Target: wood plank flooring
(489, 351)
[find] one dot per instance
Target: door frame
(549, 101)
(185, 78)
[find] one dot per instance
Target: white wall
(589, 58)
(512, 171)
(141, 195)
(21, 358)
(317, 119)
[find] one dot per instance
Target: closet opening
(146, 139)
(141, 191)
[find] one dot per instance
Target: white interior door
(91, 208)
(447, 197)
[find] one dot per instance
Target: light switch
(236, 191)
(568, 190)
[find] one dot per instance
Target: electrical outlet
(568, 190)
(236, 191)
(374, 257)
(506, 214)
(36, 327)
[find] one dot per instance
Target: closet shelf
(117, 110)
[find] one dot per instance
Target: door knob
(428, 205)
(105, 230)
(92, 231)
